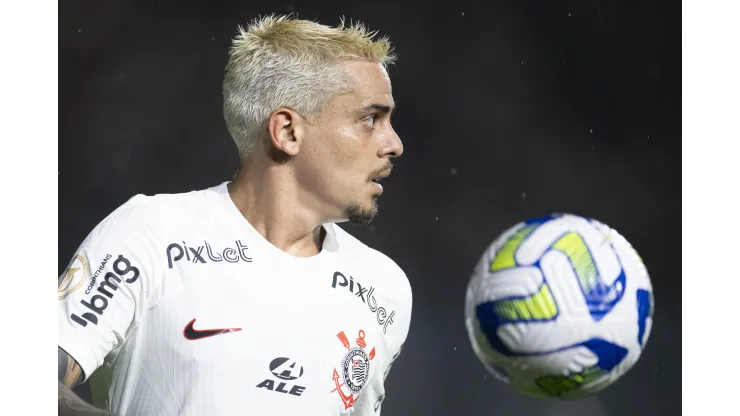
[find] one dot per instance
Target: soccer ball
(559, 307)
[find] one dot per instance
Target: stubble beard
(360, 216)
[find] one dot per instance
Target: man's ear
(286, 129)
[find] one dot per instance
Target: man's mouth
(383, 175)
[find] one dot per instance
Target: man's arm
(70, 375)
(120, 257)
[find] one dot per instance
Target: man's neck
(269, 201)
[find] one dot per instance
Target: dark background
(508, 110)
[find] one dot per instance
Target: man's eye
(370, 121)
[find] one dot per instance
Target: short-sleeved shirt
(194, 312)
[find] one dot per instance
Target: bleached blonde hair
(280, 61)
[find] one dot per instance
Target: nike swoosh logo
(193, 334)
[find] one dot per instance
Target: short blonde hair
(279, 61)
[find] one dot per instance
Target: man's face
(350, 144)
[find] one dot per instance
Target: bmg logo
(123, 272)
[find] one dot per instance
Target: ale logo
(285, 369)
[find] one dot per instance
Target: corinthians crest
(354, 369)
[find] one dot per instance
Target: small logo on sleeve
(123, 272)
(73, 277)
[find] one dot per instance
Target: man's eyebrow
(379, 108)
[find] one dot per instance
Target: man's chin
(361, 215)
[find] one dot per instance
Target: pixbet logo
(196, 254)
(284, 369)
(366, 295)
(122, 269)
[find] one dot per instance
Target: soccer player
(247, 298)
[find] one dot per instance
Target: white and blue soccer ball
(559, 307)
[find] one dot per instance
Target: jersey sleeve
(105, 289)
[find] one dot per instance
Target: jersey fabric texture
(190, 311)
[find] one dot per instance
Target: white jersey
(191, 311)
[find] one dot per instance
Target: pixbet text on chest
(197, 255)
(366, 295)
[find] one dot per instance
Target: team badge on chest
(354, 369)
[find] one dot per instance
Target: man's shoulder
(155, 215)
(156, 210)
